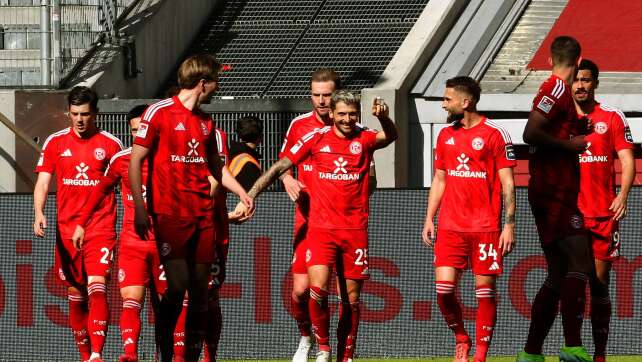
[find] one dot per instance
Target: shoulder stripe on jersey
(298, 118)
(557, 85)
(311, 134)
(219, 141)
(114, 138)
(62, 132)
(502, 130)
(616, 110)
(119, 154)
(151, 110)
(559, 89)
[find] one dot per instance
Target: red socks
(78, 324)
(130, 326)
(451, 309)
(215, 324)
(320, 316)
(179, 333)
(486, 317)
(302, 314)
(572, 307)
(98, 318)
(349, 316)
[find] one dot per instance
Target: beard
(455, 117)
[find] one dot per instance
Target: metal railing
(42, 40)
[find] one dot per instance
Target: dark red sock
(451, 309)
(130, 326)
(486, 318)
(543, 313)
(179, 333)
(600, 321)
(301, 313)
(215, 324)
(351, 338)
(195, 330)
(78, 324)
(573, 301)
(343, 329)
(320, 316)
(98, 316)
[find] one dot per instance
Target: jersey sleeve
(149, 128)
(370, 139)
(291, 137)
(547, 101)
(622, 138)
(302, 148)
(48, 157)
(439, 152)
(106, 185)
(223, 148)
(503, 150)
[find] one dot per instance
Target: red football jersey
(78, 164)
(472, 199)
(610, 134)
(555, 173)
(299, 127)
(118, 170)
(179, 141)
(338, 186)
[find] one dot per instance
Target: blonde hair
(197, 67)
(344, 96)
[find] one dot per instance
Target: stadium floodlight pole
(56, 42)
(45, 44)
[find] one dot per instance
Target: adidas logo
(325, 149)
(67, 153)
(451, 141)
(494, 266)
(179, 127)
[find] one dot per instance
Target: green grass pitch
(449, 359)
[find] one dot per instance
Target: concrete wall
(7, 143)
(162, 33)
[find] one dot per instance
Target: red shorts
(455, 249)
(139, 264)
(347, 248)
(300, 245)
(192, 239)
(94, 259)
(604, 233)
(218, 269)
(555, 221)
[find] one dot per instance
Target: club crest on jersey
(478, 143)
(165, 249)
(61, 274)
(142, 130)
(510, 153)
(99, 153)
(576, 221)
(627, 134)
(355, 147)
(546, 104)
(601, 128)
(204, 129)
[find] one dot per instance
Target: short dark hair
(249, 129)
(465, 85)
(80, 95)
(565, 50)
(136, 112)
(326, 75)
(589, 65)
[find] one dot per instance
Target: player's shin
(215, 324)
(600, 315)
(573, 301)
(179, 333)
(319, 314)
(486, 318)
(301, 313)
(545, 308)
(98, 316)
(349, 316)
(78, 323)
(451, 309)
(196, 320)
(130, 326)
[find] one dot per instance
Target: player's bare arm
(535, 134)
(263, 182)
(507, 237)
(292, 186)
(437, 188)
(141, 219)
(372, 179)
(388, 133)
(619, 204)
(40, 192)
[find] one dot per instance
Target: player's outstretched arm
(372, 179)
(262, 183)
(141, 219)
(222, 175)
(434, 199)
(535, 134)
(388, 133)
(619, 204)
(507, 237)
(39, 200)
